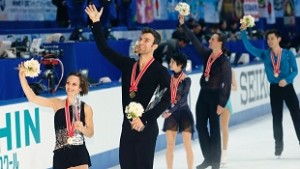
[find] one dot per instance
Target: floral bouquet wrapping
(183, 8)
(32, 68)
(156, 97)
(248, 20)
(134, 110)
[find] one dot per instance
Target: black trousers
(210, 139)
(278, 95)
(137, 148)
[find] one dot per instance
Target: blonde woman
(225, 117)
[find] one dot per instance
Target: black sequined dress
(66, 155)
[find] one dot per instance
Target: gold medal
(132, 94)
(276, 74)
(70, 140)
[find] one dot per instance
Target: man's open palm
(93, 13)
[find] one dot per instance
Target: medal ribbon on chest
(70, 123)
(174, 86)
(276, 65)
(209, 63)
(134, 81)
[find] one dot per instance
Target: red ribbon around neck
(276, 65)
(70, 125)
(209, 63)
(174, 86)
(135, 80)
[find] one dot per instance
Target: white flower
(32, 68)
(134, 110)
(248, 20)
(183, 8)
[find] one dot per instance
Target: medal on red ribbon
(70, 124)
(209, 63)
(174, 86)
(135, 80)
(276, 65)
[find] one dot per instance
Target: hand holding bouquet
(183, 8)
(134, 110)
(247, 21)
(31, 68)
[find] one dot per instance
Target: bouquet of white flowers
(134, 110)
(248, 20)
(183, 8)
(32, 68)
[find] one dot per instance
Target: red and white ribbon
(70, 125)
(209, 63)
(135, 80)
(174, 86)
(276, 65)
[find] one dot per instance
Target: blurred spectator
(255, 34)
(177, 33)
(223, 27)
(214, 28)
(77, 35)
(296, 41)
(198, 30)
(2, 5)
(190, 22)
(202, 23)
(62, 17)
(76, 13)
(166, 49)
(109, 14)
(233, 30)
(125, 12)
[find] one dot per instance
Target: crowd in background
(121, 13)
(71, 13)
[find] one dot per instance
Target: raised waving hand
(93, 13)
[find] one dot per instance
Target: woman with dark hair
(179, 118)
(70, 150)
(215, 85)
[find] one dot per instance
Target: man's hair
(156, 35)
(180, 59)
(222, 38)
(273, 31)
